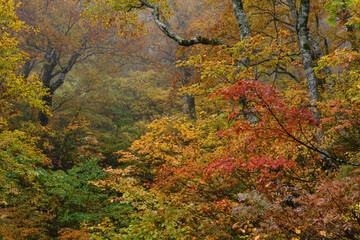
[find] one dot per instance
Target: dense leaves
(13, 88)
(266, 146)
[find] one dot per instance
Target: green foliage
(69, 146)
(116, 109)
(54, 201)
(20, 158)
(343, 12)
(75, 200)
(23, 214)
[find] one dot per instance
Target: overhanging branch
(183, 42)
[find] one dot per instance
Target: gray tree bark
(301, 18)
(241, 18)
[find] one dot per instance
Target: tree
(13, 88)
(60, 40)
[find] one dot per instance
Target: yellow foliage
(14, 88)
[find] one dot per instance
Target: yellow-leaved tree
(18, 151)
(14, 88)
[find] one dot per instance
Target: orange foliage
(72, 234)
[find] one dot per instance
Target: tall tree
(60, 40)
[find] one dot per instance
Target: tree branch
(183, 42)
(71, 62)
(309, 146)
(131, 7)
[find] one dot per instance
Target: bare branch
(131, 7)
(183, 42)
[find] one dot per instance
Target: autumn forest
(179, 119)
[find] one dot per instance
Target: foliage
(14, 89)
(271, 153)
(68, 233)
(344, 12)
(51, 202)
(20, 157)
(274, 175)
(23, 217)
(116, 109)
(76, 201)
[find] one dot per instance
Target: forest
(179, 119)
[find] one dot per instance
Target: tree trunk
(301, 20)
(49, 74)
(43, 117)
(191, 106)
(244, 28)
(240, 15)
(27, 68)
